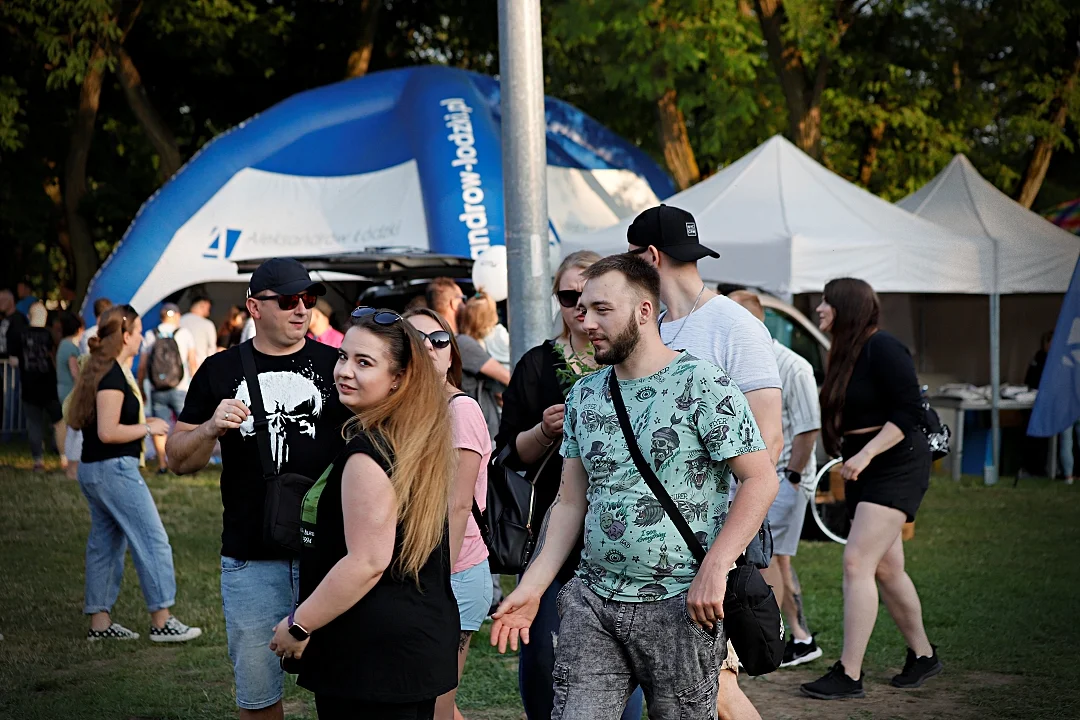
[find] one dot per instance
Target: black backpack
(166, 367)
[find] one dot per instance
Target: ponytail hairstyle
(105, 347)
(453, 373)
(412, 427)
(857, 312)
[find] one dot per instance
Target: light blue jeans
(1065, 448)
(256, 595)
(123, 515)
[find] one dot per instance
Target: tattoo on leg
(796, 597)
(463, 640)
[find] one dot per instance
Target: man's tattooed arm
(563, 524)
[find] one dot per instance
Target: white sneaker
(174, 631)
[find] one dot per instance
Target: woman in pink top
(471, 578)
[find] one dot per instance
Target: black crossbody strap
(258, 411)
(649, 476)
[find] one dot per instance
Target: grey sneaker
(174, 631)
(116, 631)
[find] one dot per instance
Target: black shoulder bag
(507, 523)
(285, 491)
(751, 616)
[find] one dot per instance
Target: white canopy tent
(1029, 254)
(783, 222)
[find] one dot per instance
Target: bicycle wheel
(829, 508)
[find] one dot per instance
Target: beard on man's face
(622, 346)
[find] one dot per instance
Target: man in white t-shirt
(717, 329)
(197, 322)
(797, 467)
(167, 371)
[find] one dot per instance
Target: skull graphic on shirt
(292, 403)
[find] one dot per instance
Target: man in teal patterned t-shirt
(641, 609)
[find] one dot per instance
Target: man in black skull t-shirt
(296, 376)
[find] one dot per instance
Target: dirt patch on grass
(945, 697)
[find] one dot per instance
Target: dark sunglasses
(439, 339)
(381, 317)
(568, 298)
(289, 302)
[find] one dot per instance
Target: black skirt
(897, 478)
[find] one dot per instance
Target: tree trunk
(360, 58)
(868, 161)
(63, 238)
(155, 128)
(802, 87)
(82, 133)
(676, 143)
(1044, 146)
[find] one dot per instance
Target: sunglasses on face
(289, 302)
(381, 317)
(568, 298)
(440, 339)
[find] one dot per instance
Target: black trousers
(333, 707)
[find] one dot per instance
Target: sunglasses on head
(289, 302)
(568, 298)
(440, 339)
(380, 317)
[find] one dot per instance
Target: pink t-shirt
(331, 337)
(471, 433)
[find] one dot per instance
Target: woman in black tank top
(870, 413)
(375, 632)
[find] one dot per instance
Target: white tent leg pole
(990, 474)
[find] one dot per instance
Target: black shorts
(897, 478)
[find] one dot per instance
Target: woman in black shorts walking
(871, 412)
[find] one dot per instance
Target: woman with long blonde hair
(532, 420)
(471, 576)
(107, 406)
(375, 633)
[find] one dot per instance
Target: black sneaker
(797, 653)
(116, 631)
(918, 670)
(834, 685)
(174, 631)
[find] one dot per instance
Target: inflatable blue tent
(402, 161)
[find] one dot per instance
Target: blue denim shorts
(472, 590)
(256, 595)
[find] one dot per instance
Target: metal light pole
(524, 143)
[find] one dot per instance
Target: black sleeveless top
(398, 644)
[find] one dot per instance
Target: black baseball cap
(671, 230)
(285, 276)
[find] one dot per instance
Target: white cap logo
(691, 229)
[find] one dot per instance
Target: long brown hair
(105, 347)
(582, 260)
(412, 426)
(453, 373)
(856, 313)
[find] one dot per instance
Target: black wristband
(792, 476)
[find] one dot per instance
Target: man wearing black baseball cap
(304, 417)
(715, 328)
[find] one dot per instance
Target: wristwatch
(297, 631)
(793, 476)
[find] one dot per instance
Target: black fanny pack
(751, 616)
(284, 491)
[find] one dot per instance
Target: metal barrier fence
(13, 423)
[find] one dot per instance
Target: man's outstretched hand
(514, 617)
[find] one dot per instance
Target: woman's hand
(552, 423)
(157, 426)
(855, 465)
(285, 645)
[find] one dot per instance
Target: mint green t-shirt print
(689, 418)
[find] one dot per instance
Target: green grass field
(997, 569)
